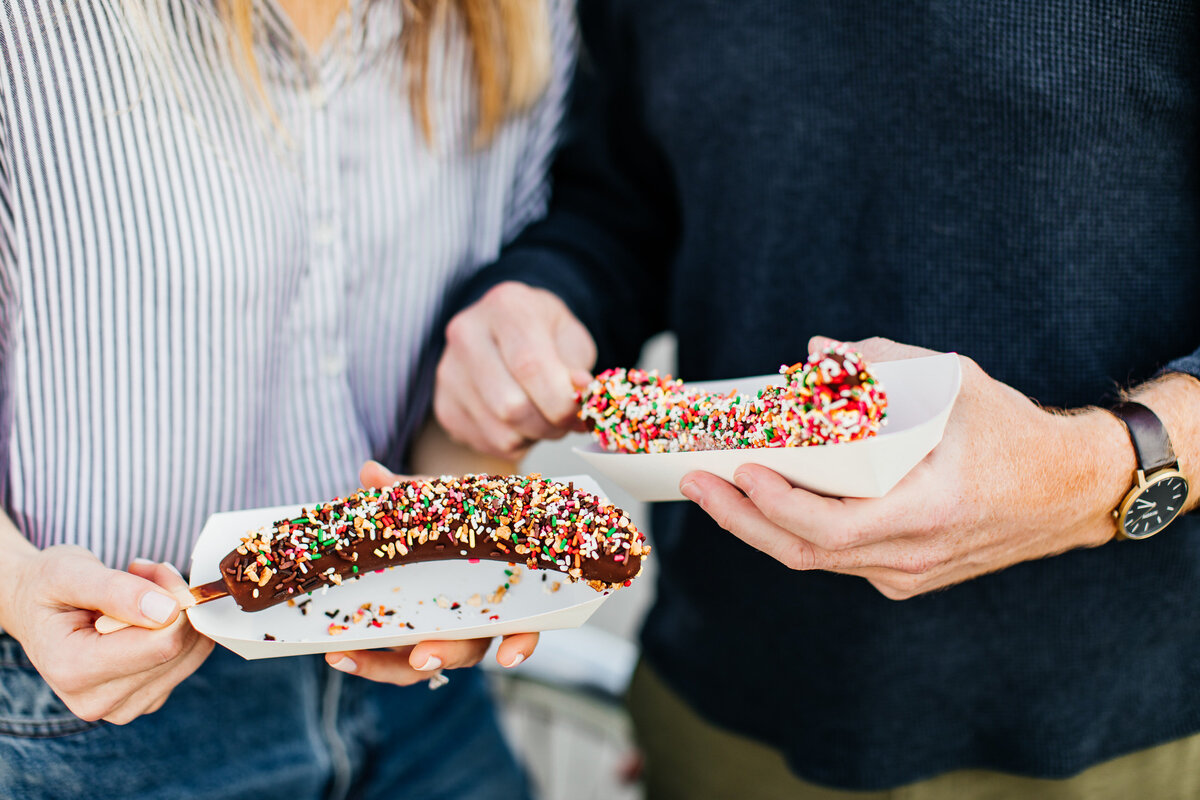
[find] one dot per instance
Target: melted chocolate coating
(542, 524)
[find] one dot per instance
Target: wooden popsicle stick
(198, 594)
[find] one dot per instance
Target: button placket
(326, 248)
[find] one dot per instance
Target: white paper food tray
(422, 595)
(920, 392)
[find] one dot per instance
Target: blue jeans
(287, 728)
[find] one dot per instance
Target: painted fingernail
(158, 607)
(143, 561)
(516, 660)
(438, 680)
(344, 664)
(431, 663)
(691, 491)
(173, 568)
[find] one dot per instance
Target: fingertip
(341, 662)
(580, 378)
(752, 475)
(516, 648)
(691, 487)
(818, 343)
(424, 663)
(374, 475)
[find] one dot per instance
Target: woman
(227, 231)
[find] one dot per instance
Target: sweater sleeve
(612, 223)
(1189, 364)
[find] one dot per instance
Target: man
(1013, 182)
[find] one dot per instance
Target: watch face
(1159, 502)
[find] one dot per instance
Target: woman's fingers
(79, 580)
(153, 693)
(516, 648)
(404, 666)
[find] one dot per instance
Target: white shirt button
(324, 233)
(333, 364)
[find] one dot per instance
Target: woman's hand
(54, 598)
(404, 666)
(415, 663)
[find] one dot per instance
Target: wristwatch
(1160, 490)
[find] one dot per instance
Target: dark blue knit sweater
(1015, 181)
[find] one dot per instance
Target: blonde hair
(510, 42)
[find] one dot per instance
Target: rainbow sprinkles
(830, 397)
(542, 523)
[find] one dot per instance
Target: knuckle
(169, 650)
(66, 682)
(970, 368)
(851, 536)
(917, 564)
(525, 365)
(888, 590)
(116, 594)
(512, 409)
(447, 414)
(721, 515)
(509, 443)
(845, 539)
(799, 556)
(121, 717)
(896, 587)
(875, 343)
(909, 585)
(91, 708)
(156, 704)
(443, 376)
(458, 331)
(442, 411)
(507, 295)
(774, 507)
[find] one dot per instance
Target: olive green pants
(689, 759)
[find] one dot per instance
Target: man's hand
(513, 363)
(1009, 482)
(53, 601)
(407, 665)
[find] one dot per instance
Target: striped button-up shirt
(205, 307)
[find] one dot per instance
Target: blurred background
(562, 710)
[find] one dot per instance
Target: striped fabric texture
(208, 302)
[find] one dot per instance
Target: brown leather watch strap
(1149, 436)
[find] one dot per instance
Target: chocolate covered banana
(523, 519)
(830, 397)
